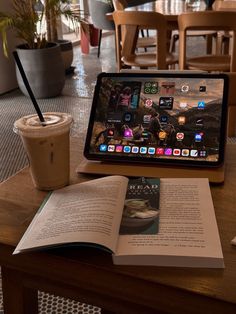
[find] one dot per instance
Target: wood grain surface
(89, 275)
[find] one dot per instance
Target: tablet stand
(215, 175)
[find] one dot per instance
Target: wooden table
(170, 8)
(89, 276)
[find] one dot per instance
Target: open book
(123, 215)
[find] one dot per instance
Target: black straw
(27, 85)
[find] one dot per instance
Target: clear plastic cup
(47, 147)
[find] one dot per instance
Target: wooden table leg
(209, 43)
(17, 298)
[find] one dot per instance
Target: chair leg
(209, 43)
(225, 47)
(99, 41)
(143, 35)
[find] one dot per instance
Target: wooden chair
(208, 20)
(224, 37)
(126, 40)
(209, 36)
(144, 41)
(119, 4)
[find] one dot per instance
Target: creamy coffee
(47, 147)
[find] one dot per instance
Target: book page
(187, 224)
(86, 212)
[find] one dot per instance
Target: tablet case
(215, 175)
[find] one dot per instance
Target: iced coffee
(47, 147)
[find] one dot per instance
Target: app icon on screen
(151, 150)
(179, 136)
(135, 149)
(185, 152)
(160, 151)
(201, 105)
(150, 88)
(183, 105)
(166, 102)
(143, 150)
(198, 137)
(199, 121)
(145, 134)
(110, 132)
(147, 118)
(162, 135)
(194, 153)
(148, 103)
(168, 151)
(185, 88)
(167, 88)
(164, 119)
(127, 149)
(111, 148)
(127, 117)
(128, 133)
(181, 120)
(103, 148)
(202, 88)
(119, 148)
(202, 153)
(176, 152)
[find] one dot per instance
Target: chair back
(98, 11)
(119, 4)
(128, 23)
(207, 20)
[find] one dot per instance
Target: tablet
(169, 118)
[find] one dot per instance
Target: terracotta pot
(84, 41)
(94, 36)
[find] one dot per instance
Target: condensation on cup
(47, 147)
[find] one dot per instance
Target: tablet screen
(158, 118)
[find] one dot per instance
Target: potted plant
(54, 9)
(41, 58)
(7, 65)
